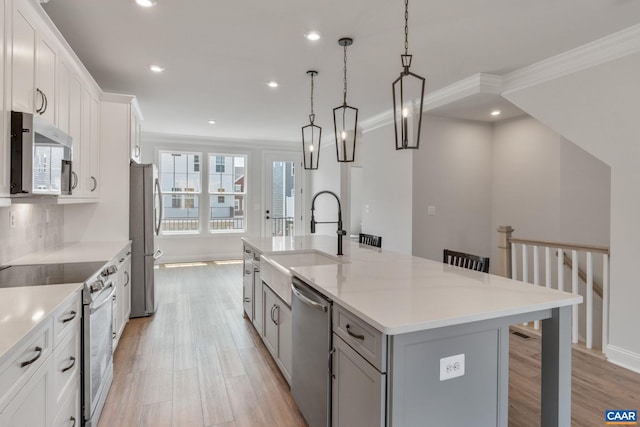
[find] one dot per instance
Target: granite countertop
(398, 293)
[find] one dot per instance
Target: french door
(282, 210)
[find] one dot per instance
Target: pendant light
(407, 89)
(311, 136)
(345, 118)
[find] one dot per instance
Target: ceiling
(218, 55)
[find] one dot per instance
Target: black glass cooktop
(48, 274)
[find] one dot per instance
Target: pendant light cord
(345, 75)
(406, 27)
(312, 116)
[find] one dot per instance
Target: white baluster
(536, 277)
(574, 289)
(605, 302)
(561, 269)
(589, 293)
(525, 268)
(514, 262)
(547, 266)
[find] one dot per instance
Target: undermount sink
(274, 269)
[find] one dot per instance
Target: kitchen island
(417, 313)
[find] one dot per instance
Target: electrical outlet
(451, 367)
(431, 210)
(12, 219)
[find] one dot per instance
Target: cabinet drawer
(366, 340)
(69, 412)
(67, 318)
(66, 360)
(26, 360)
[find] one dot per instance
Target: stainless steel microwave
(40, 157)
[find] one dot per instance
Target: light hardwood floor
(198, 362)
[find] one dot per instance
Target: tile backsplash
(37, 227)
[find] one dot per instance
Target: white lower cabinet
(358, 389)
(277, 330)
(258, 306)
(122, 297)
(247, 288)
(38, 386)
(34, 403)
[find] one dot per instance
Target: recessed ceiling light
(272, 83)
(146, 3)
(496, 113)
(313, 36)
(156, 68)
(211, 122)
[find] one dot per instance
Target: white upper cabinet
(64, 75)
(5, 100)
(23, 62)
(46, 58)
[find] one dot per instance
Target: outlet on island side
(12, 219)
(451, 367)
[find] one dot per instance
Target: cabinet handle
(128, 278)
(356, 336)
(276, 310)
(40, 109)
(69, 319)
(273, 308)
(248, 251)
(137, 151)
(114, 335)
(75, 180)
(247, 299)
(95, 183)
(46, 102)
(73, 363)
(73, 420)
(247, 272)
(29, 362)
(330, 363)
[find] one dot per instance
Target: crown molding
(116, 97)
(606, 49)
(166, 138)
(477, 83)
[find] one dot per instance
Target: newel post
(504, 250)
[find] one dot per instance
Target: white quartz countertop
(73, 252)
(23, 308)
(397, 293)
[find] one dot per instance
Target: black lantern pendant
(345, 118)
(311, 136)
(408, 96)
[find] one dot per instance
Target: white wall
(452, 172)
(597, 109)
(107, 220)
(388, 189)
(207, 246)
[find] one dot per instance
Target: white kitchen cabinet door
(63, 97)
(285, 344)
(46, 59)
(358, 389)
(5, 99)
(136, 126)
(258, 307)
(94, 141)
(126, 297)
(270, 325)
(75, 131)
(23, 63)
(33, 404)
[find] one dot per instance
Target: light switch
(431, 210)
(366, 209)
(12, 219)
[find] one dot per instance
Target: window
(180, 182)
(228, 191)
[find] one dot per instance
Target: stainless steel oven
(97, 336)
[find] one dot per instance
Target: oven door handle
(107, 299)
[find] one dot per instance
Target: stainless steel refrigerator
(145, 218)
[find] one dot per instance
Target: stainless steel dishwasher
(310, 373)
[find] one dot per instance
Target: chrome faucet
(340, 231)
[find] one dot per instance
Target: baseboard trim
(624, 358)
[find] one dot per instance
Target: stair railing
(524, 254)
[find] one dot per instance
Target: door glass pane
(283, 199)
